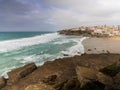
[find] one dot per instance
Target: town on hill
(94, 31)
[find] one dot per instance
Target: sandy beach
(102, 45)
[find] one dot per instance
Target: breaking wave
(77, 49)
(10, 45)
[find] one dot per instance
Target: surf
(10, 45)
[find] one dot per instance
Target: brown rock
(85, 75)
(50, 79)
(2, 82)
(111, 70)
(22, 72)
(72, 84)
(40, 86)
(104, 79)
(89, 50)
(117, 81)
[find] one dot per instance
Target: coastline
(64, 73)
(56, 72)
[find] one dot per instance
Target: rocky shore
(85, 72)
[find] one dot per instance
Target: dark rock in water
(2, 82)
(66, 54)
(22, 72)
(111, 70)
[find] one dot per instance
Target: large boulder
(2, 82)
(39, 86)
(106, 80)
(88, 79)
(17, 74)
(85, 74)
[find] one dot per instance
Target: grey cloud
(16, 14)
(13, 7)
(85, 12)
(57, 14)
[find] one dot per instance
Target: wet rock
(39, 86)
(17, 74)
(2, 82)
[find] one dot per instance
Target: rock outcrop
(2, 82)
(108, 80)
(72, 73)
(39, 86)
(104, 79)
(17, 74)
(111, 70)
(117, 81)
(85, 75)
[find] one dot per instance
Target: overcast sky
(41, 15)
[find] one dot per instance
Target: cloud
(21, 15)
(85, 12)
(55, 15)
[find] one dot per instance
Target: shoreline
(60, 70)
(99, 53)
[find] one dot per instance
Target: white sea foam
(10, 45)
(62, 41)
(6, 70)
(77, 49)
(34, 58)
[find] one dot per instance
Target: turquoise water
(16, 35)
(20, 48)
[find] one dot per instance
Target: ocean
(20, 48)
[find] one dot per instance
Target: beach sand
(102, 45)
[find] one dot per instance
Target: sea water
(20, 48)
